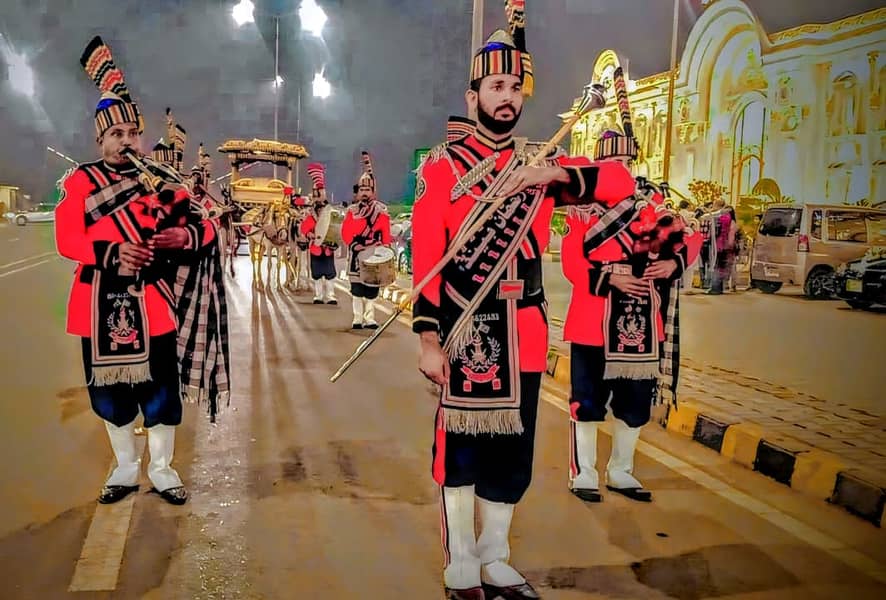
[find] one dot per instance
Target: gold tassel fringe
(131, 374)
(474, 422)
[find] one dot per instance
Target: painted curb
(788, 461)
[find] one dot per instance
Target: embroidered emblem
(421, 187)
(480, 357)
(631, 330)
(120, 322)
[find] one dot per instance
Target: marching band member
(128, 331)
(366, 225)
(315, 226)
(625, 265)
(482, 320)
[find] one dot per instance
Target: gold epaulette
(437, 152)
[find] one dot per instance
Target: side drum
(377, 266)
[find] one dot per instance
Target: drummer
(316, 227)
(366, 226)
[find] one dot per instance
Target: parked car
(804, 244)
(402, 245)
(862, 282)
(41, 213)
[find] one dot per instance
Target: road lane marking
(100, 559)
(837, 549)
(35, 257)
(14, 271)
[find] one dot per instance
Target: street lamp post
(298, 131)
(669, 127)
(276, 82)
(313, 19)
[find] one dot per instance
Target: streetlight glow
(21, 76)
(312, 17)
(243, 13)
(322, 89)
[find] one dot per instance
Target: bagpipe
(164, 181)
(171, 209)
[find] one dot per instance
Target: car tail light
(803, 243)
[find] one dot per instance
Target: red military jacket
(353, 230)
(353, 227)
(96, 246)
(308, 228)
(437, 218)
(590, 285)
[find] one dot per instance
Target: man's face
(115, 139)
(365, 194)
(498, 103)
(318, 196)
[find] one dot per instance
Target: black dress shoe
(115, 493)
(317, 301)
(333, 301)
(371, 326)
(509, 592)
(176, 495)
(474, 593)
(357, 326)
(587, 494)
(638, 494)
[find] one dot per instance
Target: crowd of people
(725, 248)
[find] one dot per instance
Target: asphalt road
(316, 490)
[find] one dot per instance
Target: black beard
(494, 125)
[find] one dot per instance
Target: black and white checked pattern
(670, 357)
(201, 309)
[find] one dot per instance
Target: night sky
(397, 68)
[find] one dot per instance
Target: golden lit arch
(608, 58)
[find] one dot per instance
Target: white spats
(621, 463)
(369, 312)
(459, 538)
(318, 290)
(583, 462)
(128, 462)
(328, 290)
(495, 521)
(161, 442)
(357, 306)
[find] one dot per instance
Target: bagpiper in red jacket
(590, 285)
(96, 246)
